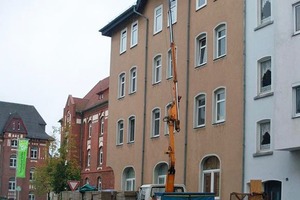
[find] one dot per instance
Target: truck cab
(147, 192)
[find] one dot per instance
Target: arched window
(100, 155)
(129, 179)
(133, 80)
(211, 175)
(99, 183)
(131, 129)
(101, 125)
(157, 69)
(220, 105)
(160, 173)
(88, 163)
(90, 128)
(220, 40)
(120, 132)
(121, 89)
(200, 104)
(201, 49)
(155, 122)
(13, 161)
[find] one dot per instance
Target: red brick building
(20, 121)
(85, 121)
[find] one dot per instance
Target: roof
(132, 11)
(34, 123)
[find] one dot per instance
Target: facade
(84, 124)
(19, 121)
(209, 52)
(272, 96)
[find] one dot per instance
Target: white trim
(198, 6)
(218, 28)
(131, 91)
(157, 29)
(118, 133)
(197, 45)
(296, 5)
(152, 123)
(129, 127)
(215, 105)
(156, 78)
(123, 41)
(134, 32)
(195, 124)
(119, 85)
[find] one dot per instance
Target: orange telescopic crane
(173, 112)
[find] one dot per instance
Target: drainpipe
(145, 94)
(187, 91)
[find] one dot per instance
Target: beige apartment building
(209, 49)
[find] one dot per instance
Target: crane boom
(173, 113)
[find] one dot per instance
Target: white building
(272, 95)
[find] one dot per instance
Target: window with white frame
(220, 41)
(160, 172)
(155, 122)
(264, 135)
(34, 152)
(296, 18)
(296, 101)
(133, 80)
(200, 4)
(168, 107)
(100, 155)
(200, 110)
(14, 143)
(158, 19)
(134, 34)
(12, 184)
(201, 49)
(120, 132)
(121, 89)
(13, 161)
(123, 40)
(220, 104)
(265, 75)
(169, 65)
(264, 11)
(129, 179)
(90, 128)
(211, 175)
(173, 9)
(157, 69)
(99, 183)
(102, 125)
(31, 196)
(131, 129)
(31, 173)
(88, 162)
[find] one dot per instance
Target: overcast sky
(52, 48)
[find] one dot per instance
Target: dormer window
(101, 95)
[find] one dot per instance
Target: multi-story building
(272, 125)
(209, 52)
(84, 124)
(19, 121)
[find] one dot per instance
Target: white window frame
(90, 124)
(217, 111)
(88, 162)
(260, 125)
(169, 65)
(167, 113)
(200, 4)
(199, 108)
(296, 100)
(296, 10)
(131, 129)
(123, 40)
(134, 34)
(155, 122)
(31, 173)
(157, 69)
(133, 80)
(34, 152)
(101, 125)
(218, 40)
(122, 83)
(101, 155)
(173, 12)
(31, 196)
(13, 161)
(265, 89)
(12, 184)
(267, 19)
(14, 143)
(201, 50)
(158, 19)
(120, 132)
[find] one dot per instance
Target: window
(155, 122)
(120, 132)
(265, 75)
(123, 41)
(33, 152)
(14, 143)
(168, 107)
(131, 129)
(264, 135)
(129, 179)
(220, 100)
(121, 90)
(201, 51)
(170, 64)
(199, 110)
(211, 175)
(296, 101)
(200, 4)
(88, 163)
(160, 172)
(12, 184)
(133, 80)
(157, 69)
(13, 161)
(100, 155)
(264, 11)
(87, 181)
(273, 189)
(134, 34)
(158, 18)
(99, 184)
(220, 41)
(173, 9)
(31, 174)
(90, 128)
(31, 196)
(101, 125)
(297, 18)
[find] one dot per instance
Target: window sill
(155, 137)
(264, 25)
(199, 127)
(296, 33)
(122, 52)
(200, 7)
(157, 32)
(120, 98)
(220, 57)
(201, 65)
(263, 95)
(154, 84)
(263, 153)
(295, 116)
(132, 93)
(219, 123)
(132, 46)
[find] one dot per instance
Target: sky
(50, 49)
